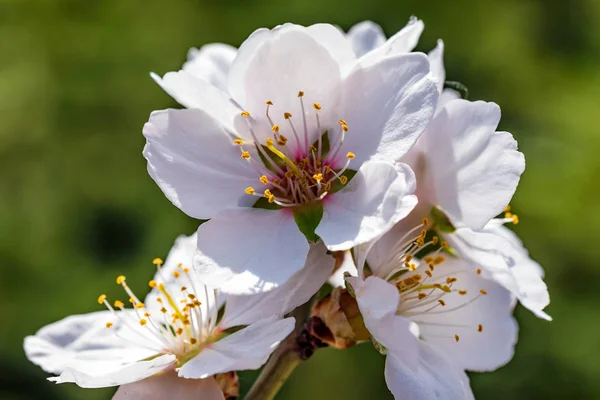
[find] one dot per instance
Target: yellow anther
(146, 314)
(409, 258)
(245, 114)
(152, 284)
(186, 270)
(428, 273)
(238, 141)
(191, 296)
(245, 155)
(193, 341)
(157, 261)
(109, 325)
(264, 180)
(300, 93)
(176, 274)
(483, 292)
(438, 260)
(268, 193)
(423, 233)
(143, 322)
(446, 289)
(345, 128)
(101, 298)
(422, 295)
(342, 122)
(318, 177)
(425, 222)
(450, 280)
(271, 199)
(457, 338)
(179, 331)
(287, 115)
(250, 190)
(313, 148)
(428, 259)
(120, 279)
(508, 215)
(462, 292)
(444, 244)
(431, 267)
(479, 328)
(343, 179)
(316, 106)
(159, 300)
(507, 208)
(350, 155)
(179, 265)
(139, 305)
(412, 267)
(275, 128)
(515, 219)
(183, 288)
(269, 103)
(442, 302)
(119, 304)
(163, 310)
(281, 142)
(435, 240)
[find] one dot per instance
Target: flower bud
(229, 384)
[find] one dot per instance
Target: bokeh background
(77, 207)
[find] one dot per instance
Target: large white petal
(248, 251)
(193, 92)
(99, 375)
(506, 262)
(365, 36)
(378, 196)
(334, 41)
(435, 378)
(474, 169)
(82, 341)
(169, 386)
(404, 41)
(387, 105)
(195, 163)
(462, 315)
(248, 348)
(211, 63)
(245, 310)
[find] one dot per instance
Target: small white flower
(306, 128)
(175, 333)
(435, 316)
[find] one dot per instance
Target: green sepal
(307, 217)
(441, 220)
(379, 347)
(336, 185)
(264, 204)
(349, 287)
(459, 87)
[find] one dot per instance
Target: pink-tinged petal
(245, 310)
(195, 163)
(248, 348)
(99, 375)
(211, 63)
(365, 36)
(435, 378)
(248, 251)
(169, 386)
(378, 196)
(402, 42)
(387, 105)
(474, 169)
(193, 92)
(436, 61)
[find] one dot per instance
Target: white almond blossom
(175, 333)
(301, 146)
(435, 316)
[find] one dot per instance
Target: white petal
(506, 263)
(211, 63)
(476, 351)
(81, 341)
(436, 60)
(376, 198)
(245, 310)
(474, 169)
(334, 41)
(99, 375)
(195, 163)
(365, 36)
(169, 386)
(248, 348)
(387, 105)
(192, 92)
(249, 251)
(376, 298)
(402, 42)
(436, 377)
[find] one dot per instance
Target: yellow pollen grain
(193, 341)
(238, 141)
(275, 128)
(119, 304)
(245, 114)
(483, 292)
(249, 190)
(245, 155)
(350, 155)
(287, 115)
(343, 179)
(152, 284)
(139, 305)
(457, 338)
(318, 177)
(101, 298)
(157, 261)
(109, 325)
(462, 292)
(143, 322)
(264, 180)
(442, 303)
(480, 328)
(120, 279)
(316, 106)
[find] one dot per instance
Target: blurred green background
(77, 207)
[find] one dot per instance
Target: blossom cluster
(317, 157)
